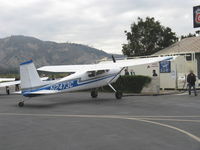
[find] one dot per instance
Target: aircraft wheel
(118, 95)
(94, 94)
(21, 104)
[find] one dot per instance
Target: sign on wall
(165, 67)
(196, 16)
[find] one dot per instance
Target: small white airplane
(91, 76)
(8, 82)
(6, 79)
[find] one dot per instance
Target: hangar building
(172, 75)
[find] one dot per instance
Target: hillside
(17, 49)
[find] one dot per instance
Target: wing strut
(112, 87)
(116, 75)
(118, 94)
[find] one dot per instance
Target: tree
(147, 37)
(187, 36)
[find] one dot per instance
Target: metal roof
(187, 45)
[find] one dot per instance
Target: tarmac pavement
(73, 121)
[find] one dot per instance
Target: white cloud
(100, 23)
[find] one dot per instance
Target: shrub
(129, 84)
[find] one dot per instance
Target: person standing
(126, 72)
(155, 83)
(7, 90)
(191, 79)
(154, 73)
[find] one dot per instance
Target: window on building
(188, 57)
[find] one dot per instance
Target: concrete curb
(150, 94)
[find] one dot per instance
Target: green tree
(147, 37)
(187, 36)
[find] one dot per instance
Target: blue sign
(165, 67)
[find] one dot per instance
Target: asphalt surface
(74, 121)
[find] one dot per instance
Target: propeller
(113, 58)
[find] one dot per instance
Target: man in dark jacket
(154, 73)
(191, 79)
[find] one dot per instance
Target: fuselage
(75, 82)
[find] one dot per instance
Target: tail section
(29, 76)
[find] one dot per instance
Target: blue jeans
(189, 90)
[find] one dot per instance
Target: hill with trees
(17, 49)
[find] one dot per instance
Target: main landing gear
(21, 104)
(118, 94)
(94, 93)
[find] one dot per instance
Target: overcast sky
(97, 23)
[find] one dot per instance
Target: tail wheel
(94, 94)
(118, 95)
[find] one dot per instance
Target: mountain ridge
(17, 49)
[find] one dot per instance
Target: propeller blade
(113, 58)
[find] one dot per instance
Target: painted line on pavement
(141, 119)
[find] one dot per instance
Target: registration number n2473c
(62, 86)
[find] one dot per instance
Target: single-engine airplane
(6, 79)
(90, 76)
(8, 82)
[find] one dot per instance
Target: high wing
(4, 84)
(70, 68)
(6, 79)
(103, 65)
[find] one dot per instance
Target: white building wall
(145, 70)
(176, 79)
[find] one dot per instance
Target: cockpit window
(91, 74)
(100, 72)
(95, 73)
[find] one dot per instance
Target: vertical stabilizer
(29, 75)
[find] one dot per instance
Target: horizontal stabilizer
(40, 92)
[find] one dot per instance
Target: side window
(100, 72)
(96, 73)
(91, 74)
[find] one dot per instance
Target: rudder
(29, 75)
